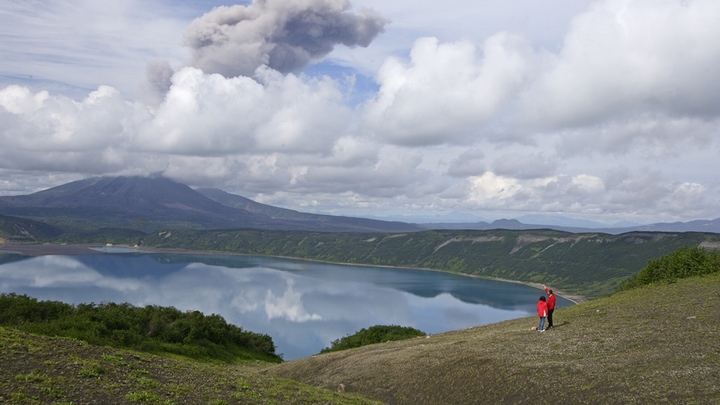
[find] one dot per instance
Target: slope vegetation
(26, 231)
(152, 328)
(656, 344)
(591, 264)
(43, 370)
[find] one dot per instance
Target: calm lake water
(302, 305)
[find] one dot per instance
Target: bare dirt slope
(651, 345)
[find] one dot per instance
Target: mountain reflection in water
(302, 305)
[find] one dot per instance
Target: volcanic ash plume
(284, 35)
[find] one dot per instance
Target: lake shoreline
(91, 249)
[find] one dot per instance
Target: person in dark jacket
(550, 305)
(542, 312)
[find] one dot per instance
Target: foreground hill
(43, 370)
(649, 345)
(151, 203)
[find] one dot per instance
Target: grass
(656, 345)
(42, 370)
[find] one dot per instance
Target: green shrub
(152, 328)
(373, 334)
(682, 263)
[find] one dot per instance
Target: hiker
(550, 305)
(542, 312)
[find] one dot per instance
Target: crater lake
(304, 306)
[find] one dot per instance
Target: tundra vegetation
(62, 371)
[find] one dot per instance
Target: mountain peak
(121, 192)
(156, 202)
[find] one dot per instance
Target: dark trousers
(550, 311)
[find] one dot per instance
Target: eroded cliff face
(522, 240)
(710, 245)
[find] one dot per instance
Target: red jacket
(542, 309)
(551, 299)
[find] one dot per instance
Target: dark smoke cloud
(285, 35)
(158, 80)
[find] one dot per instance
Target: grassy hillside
(590, 264)
(28, 231)
(42, 370)
(656, 344)
(23, 230)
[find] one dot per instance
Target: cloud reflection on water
(304, 306)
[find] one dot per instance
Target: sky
(605, 111)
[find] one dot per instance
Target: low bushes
(152, 328)
(371, 335)
(682, 263)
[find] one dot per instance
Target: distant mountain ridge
(711, 226)
(236, 201)
(152, 203)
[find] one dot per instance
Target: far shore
(48, 249)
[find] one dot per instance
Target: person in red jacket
(542, 312)
(550, 305)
